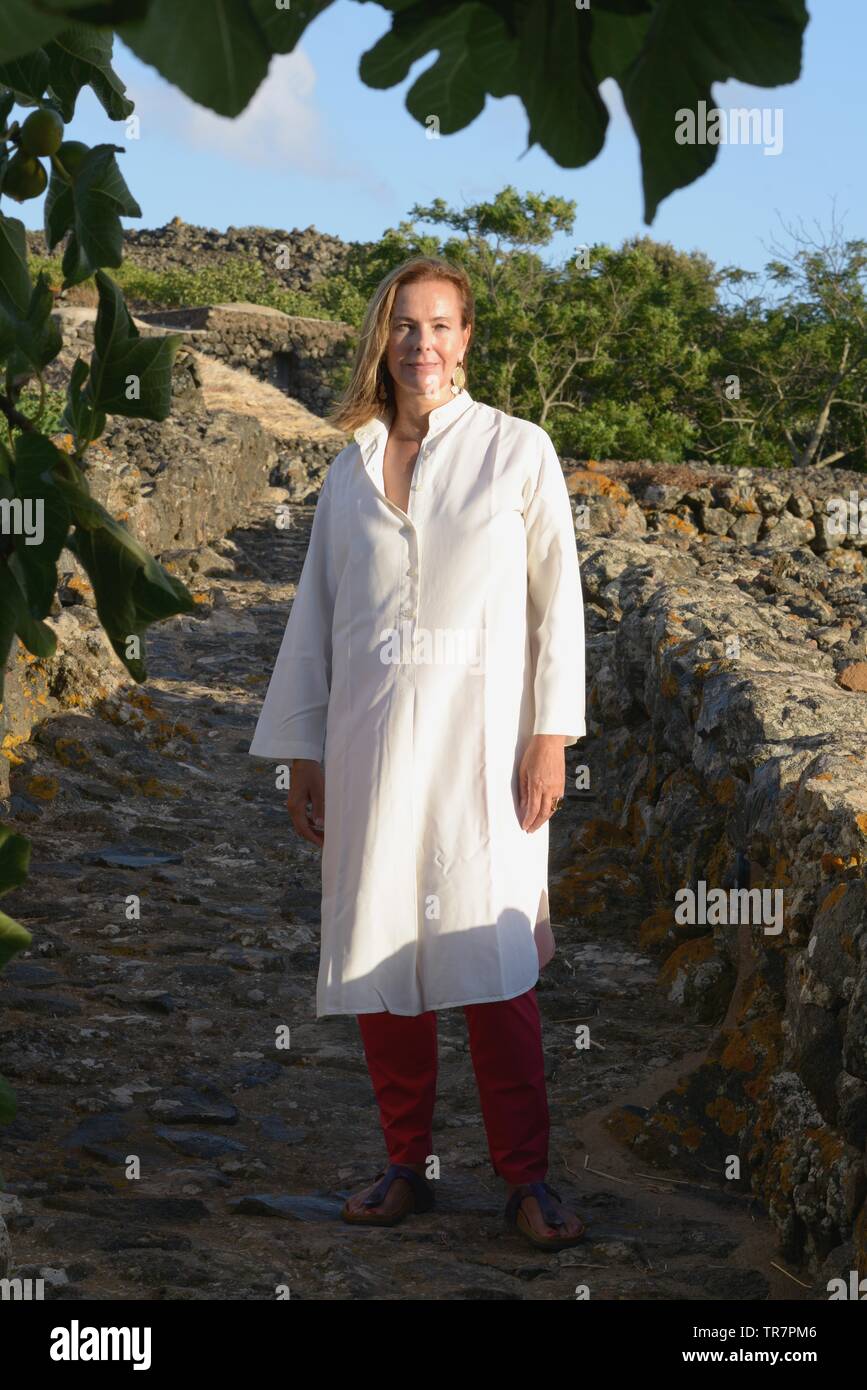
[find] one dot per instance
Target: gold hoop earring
(459, 378)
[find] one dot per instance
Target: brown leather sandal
(419, 1199)
(516, 1219)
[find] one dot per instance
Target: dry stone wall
(303, 356)
(179, 486)
(727, 702)
(299, 355)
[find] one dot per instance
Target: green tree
(798, 360)
(648, 306)
(647, 351)
(605, 351)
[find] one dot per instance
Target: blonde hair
(371, 388)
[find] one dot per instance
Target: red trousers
(506, 1046)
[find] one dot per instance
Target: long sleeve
(293, 717)
(555, 605)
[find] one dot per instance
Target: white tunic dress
(422, 651)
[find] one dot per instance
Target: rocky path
(167, 1148)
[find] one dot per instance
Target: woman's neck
(410, 420)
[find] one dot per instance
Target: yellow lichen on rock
(43, 788)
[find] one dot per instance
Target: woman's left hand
(541, 778)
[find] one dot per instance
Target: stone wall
(298, 355)
(727, 735)
(179, 486)
(783, 508)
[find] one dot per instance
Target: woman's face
(426, 340)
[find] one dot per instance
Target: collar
(376, 429)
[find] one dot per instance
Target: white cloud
(280, 125)
(280, 128)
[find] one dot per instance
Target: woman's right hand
(307, 788)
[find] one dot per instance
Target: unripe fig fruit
(42, 132)
(24, 178)
(72, 154)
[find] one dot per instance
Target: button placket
(409, 579)
(417, 471)
(413, 568)
(369, 440)
(413, 571)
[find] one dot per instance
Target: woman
(434, 658)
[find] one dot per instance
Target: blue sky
(317, 147)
